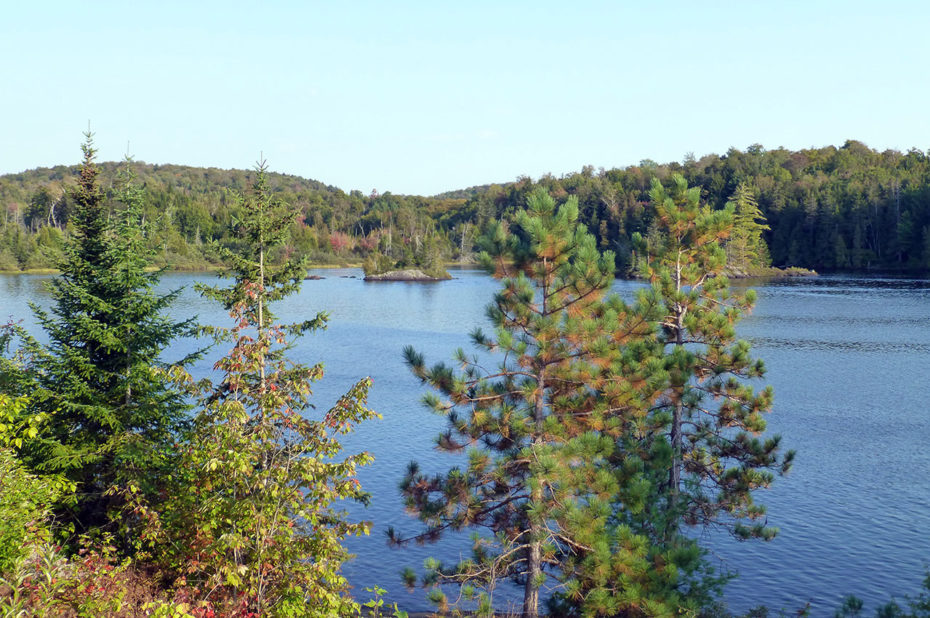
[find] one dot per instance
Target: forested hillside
(828, 208)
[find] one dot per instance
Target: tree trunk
(534, 554)
(534, 551)
(674, 476)
(531, 588)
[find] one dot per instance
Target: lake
(848, 356)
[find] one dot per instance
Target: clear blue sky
(422, 97)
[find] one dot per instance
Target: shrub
(24, 510)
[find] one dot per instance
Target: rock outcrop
(407, 274)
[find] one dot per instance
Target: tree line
(189, 211)
(599, 433)
(846, 208)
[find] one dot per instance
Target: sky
(425, 97)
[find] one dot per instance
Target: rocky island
(406, 274)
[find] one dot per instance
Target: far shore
(170, 269)
(771, 272)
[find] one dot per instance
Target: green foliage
(377, 263)
(17, 426)
(851, 607)
(374, 608)
(713, 417)
(35, 581)
(48, 582)
(746, 250)
(529, 425)
(828, 208)
(8, 261)
(604, 432)
(101, 411)
(254, 505)
(427, 257)
(675, 443)
(25, 502)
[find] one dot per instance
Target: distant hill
(189, 206)
(195, 180)
(848, 207)
(470, 192)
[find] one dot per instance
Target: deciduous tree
(254, 508)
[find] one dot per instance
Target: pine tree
(109, 413)
(620, 559)
(253, 510)
(682, 451)
(523, 421)
(713, 416)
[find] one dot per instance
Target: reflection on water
(848, 357)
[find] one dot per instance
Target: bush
(8, 261)
(24, 510)
(377, 263)
(93, 583)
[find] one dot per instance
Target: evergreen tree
(109, 413)
(517, 420)
(253, 511)
(713, 416)
(623, 559)
(746, 249)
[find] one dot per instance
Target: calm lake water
(849, 358)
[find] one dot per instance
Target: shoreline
(772, 272)
(168, 269)
(766, 273)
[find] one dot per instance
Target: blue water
(849, 358)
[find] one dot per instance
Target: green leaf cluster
(25, 509)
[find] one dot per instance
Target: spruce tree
(525, 423)
(109, 413)
(713, 416)
(253, 512)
